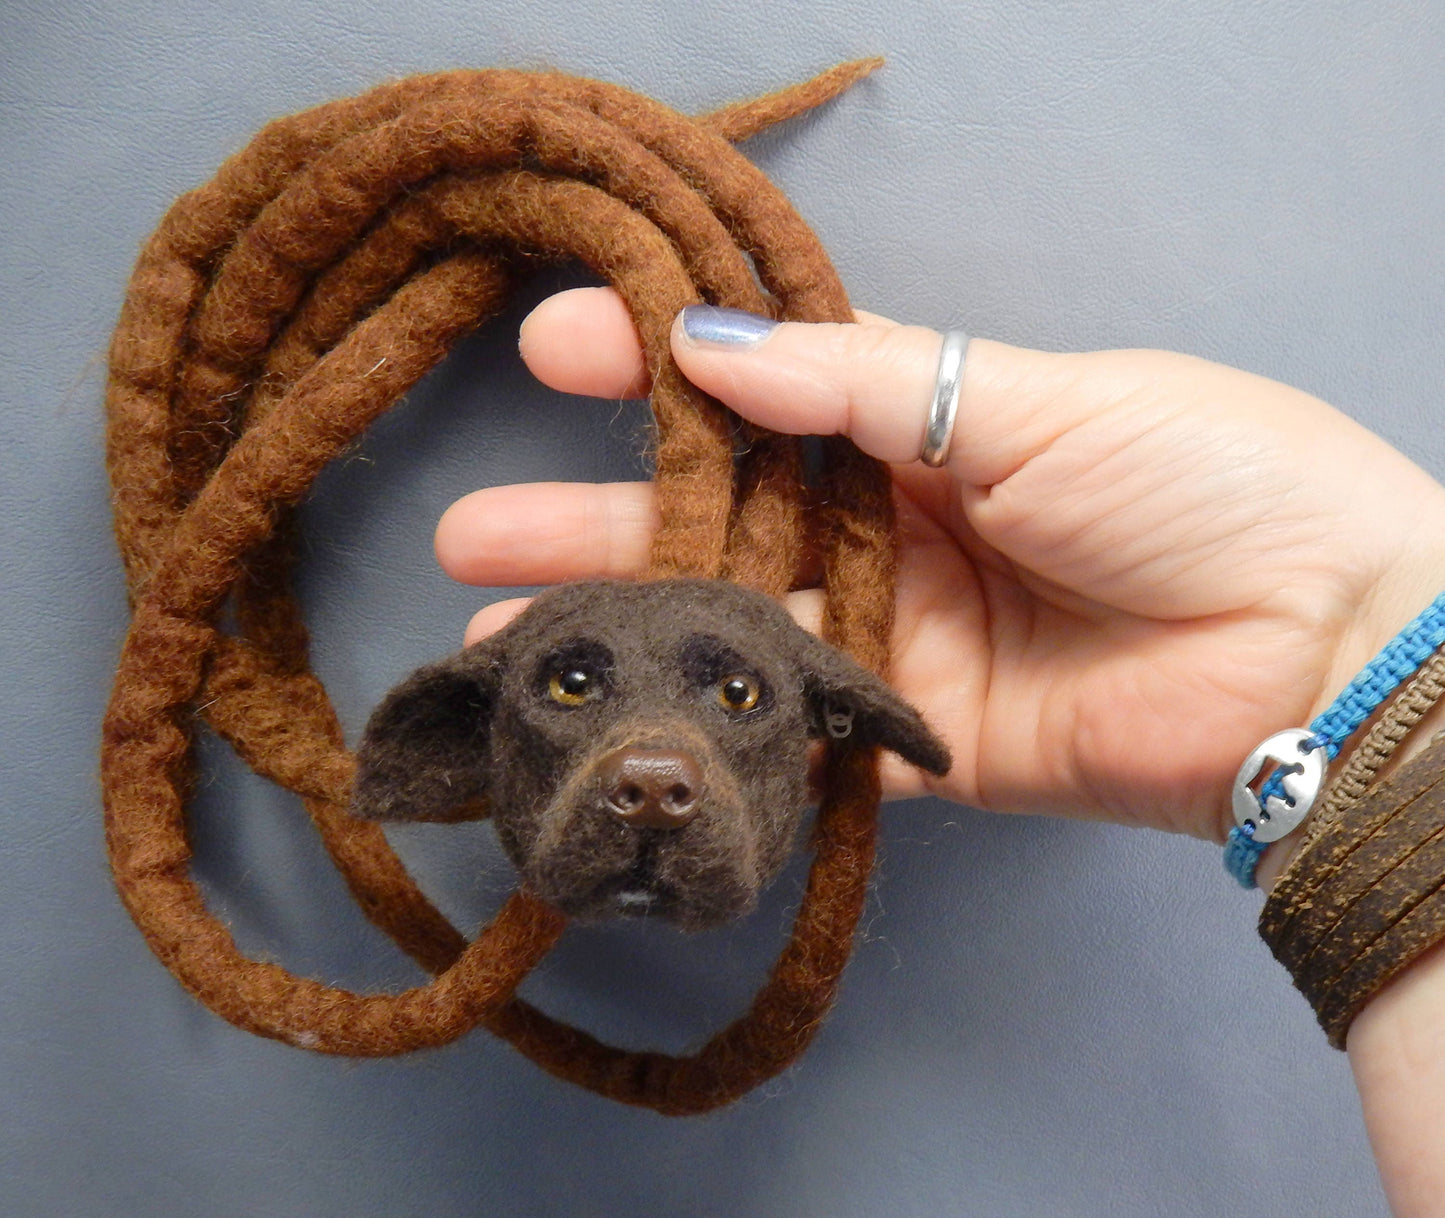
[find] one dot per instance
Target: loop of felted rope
(274, 314)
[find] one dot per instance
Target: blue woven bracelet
(1298, 758)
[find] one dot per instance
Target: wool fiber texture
(281, 308)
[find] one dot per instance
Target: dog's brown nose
(652, 788)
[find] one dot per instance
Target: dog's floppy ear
(849, 702)
(423, 755)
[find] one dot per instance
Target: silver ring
(941, 415)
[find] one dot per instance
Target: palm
(1053, 703)
(1141, 601)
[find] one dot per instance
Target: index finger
(583, 341)
(547, 532)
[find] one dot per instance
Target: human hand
(1134, 566)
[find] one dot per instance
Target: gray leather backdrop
(1043, 1018)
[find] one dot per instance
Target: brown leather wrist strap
(1365, 896)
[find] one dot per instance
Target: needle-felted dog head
(642, 748)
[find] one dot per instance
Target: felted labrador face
(641, 747)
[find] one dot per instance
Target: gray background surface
(1043, 1018)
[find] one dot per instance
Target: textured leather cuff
(1366, 896)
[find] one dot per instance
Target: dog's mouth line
(636, 901)
(638, 890)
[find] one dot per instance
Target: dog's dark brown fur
(486, 727)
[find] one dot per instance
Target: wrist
(1397, 1054)
(1277, 859)
(1409, 584)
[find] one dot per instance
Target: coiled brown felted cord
(275, 313)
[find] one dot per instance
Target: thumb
(873, 381)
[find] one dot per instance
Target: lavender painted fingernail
(720, 327)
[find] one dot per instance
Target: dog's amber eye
(738, 694)
(572, 686)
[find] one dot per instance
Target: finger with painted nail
(871, 381)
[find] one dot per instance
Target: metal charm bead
(938, 434)
(839, 722)
(1302, 777)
